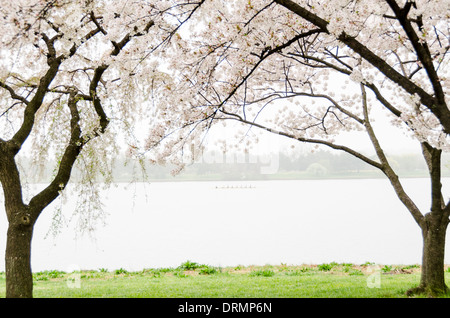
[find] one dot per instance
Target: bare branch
(306, 140)
(386, 167)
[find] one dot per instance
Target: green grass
(193, 280)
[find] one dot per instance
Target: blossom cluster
(204, 62)
(107, 54)
(258, 63)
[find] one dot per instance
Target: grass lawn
(192, 280)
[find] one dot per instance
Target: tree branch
(10, 180)
(433, 160)
(36, 102)
(265, 55)
(422, 50)
(386, 167)
(306, 140)
(104, 121)
(348, 71)
(51, 192)
(436, 105)
(13, 93)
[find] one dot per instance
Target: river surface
(164, 224)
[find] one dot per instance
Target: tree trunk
(19, 279)
(432, 281)
(19, 282)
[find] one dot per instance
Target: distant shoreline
(287, 177)
(278, 177)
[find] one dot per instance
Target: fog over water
(228, 223)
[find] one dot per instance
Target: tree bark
(434, 227)
(432, 281)
(19, 279)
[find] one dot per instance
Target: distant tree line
(317, 164)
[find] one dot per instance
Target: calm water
(232, 223)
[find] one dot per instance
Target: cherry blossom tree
(310, 70)
(75, 73)
(72, 75)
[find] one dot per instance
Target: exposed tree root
(428, 291)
